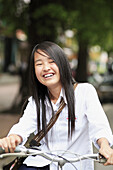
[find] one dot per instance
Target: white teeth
(48, 75)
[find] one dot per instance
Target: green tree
(93, 22)
(41, 20)
(45, 18)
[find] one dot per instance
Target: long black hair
(40, 92)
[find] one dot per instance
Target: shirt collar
(62, 94)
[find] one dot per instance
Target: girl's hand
(9, 143)
(106, 151)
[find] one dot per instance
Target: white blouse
(90, 124)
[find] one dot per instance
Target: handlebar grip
(102, 159)
(17, 149)
(2, 150)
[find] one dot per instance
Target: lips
(48, 75)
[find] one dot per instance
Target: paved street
(9, 88)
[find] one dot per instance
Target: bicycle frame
(60, 159)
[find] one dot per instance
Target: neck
(54, 94)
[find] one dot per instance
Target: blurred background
(83, 29)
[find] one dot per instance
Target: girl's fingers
(14, 141)
(109, 162)
(9, 143)
(109, 157)
(12, 144)
(5, 145)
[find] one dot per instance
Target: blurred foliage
(13, 15)
(53, 12)
(92, 19)
(93, 22)
(41, 20)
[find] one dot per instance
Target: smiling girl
(81, 122)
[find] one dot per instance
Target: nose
(46, 67)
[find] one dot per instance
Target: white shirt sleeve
(27, 123)
(98, 123)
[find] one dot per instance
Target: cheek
(37, 72)
(57, 70)
(55, 67)
(57, 73)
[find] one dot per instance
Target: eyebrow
(38, 60)
(41, 60)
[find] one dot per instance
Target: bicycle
(22, 151)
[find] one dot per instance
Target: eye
(38, 64)
(51, 61)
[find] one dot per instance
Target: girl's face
(46, 70)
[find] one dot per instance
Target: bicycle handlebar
(22, 151)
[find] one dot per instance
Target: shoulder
(30, 107)
(85, 86)
(31, 101)
(86, 92)
(85, 89)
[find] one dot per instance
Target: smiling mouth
(48, 75)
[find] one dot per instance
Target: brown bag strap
(37, 138)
